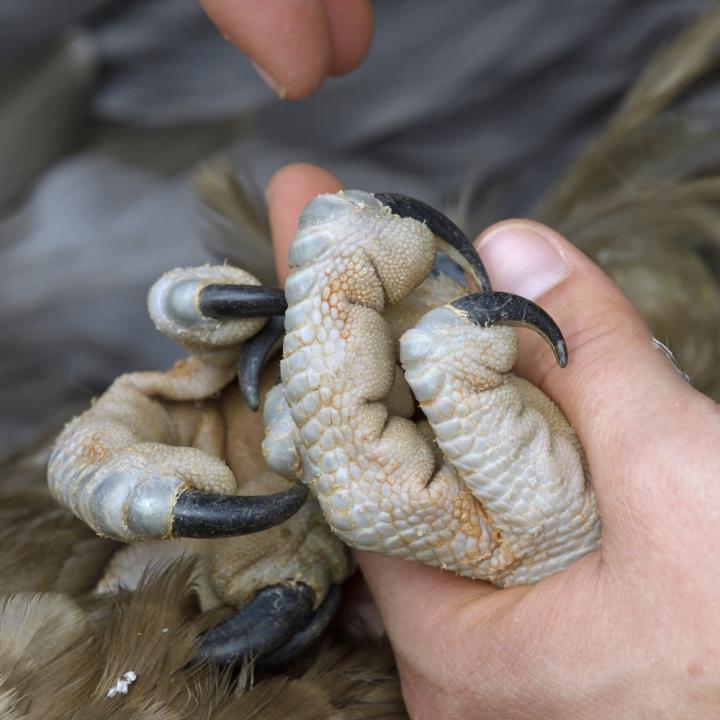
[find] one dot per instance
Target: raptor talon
(176, 306)
(133, 464)
(206, 515)
(503, 308)
(225, 301)
(255, 354)
(164, 455)
(267, 622)
(494, 484)
(279, 658)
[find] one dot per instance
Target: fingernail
(521, 261)
(270, 81)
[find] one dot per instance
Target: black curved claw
(206, 515)
(444, 228)
(255, 353)
(504, 308)
(228, 302)
(272, 629)
(279, 658)
(276, 613)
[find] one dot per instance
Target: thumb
(619, 391)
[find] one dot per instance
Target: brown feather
(61, 653)
(643, 200)
(691, 56)
(237, 227)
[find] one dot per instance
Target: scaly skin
(156, 434)
(509, 499)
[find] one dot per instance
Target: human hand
(296, 44)
(628, 631)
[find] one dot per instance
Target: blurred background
(134, 139)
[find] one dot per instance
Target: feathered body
(647, 185)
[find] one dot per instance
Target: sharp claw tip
(250, 394)
(562, 354)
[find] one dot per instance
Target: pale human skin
(629, 631)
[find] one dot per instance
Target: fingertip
(300, 175)
(290, 189)
(290, 42)
(525, 257)
(351, 30)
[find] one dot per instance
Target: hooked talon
(206, 515)
(225, 301)
(174, 306)
(126, 464)
(221, 301)
(442, 227)
(492, 308)
(274, 614)
(161, 455)
(279, 658)
(255, 354)
(276, 625)
(131, 497)
(494, 485)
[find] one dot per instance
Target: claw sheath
(441, 226)
(279, 658)
(492, 308)
(204, 515)
(225, 301)
(273, 616)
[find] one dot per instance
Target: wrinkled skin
(485, 477)
(189, 428)
(507, 498)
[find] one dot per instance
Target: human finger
(351, 26)
(296, 44)
(289, 191)
(619, 391)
